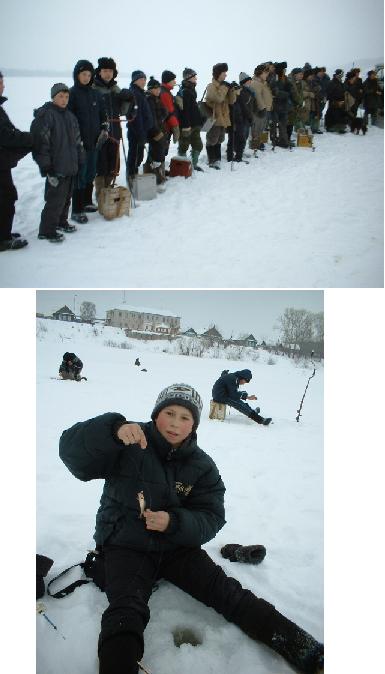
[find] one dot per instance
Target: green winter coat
(184, 482)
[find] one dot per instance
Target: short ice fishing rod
(304, 393)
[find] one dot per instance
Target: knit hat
(108, 63)
(243, 77)
(188, 73)
(219, 68)
(179, 394)
(59, 86)
(167, 76)
(137, 75)
(152, 83)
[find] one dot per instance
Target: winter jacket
(190, 115)
(296, 115)
(371, 97)
(247, 104)
(218, 97)
(335, 92)
(226, 387)
(263, 95)
(308, 97)
(14, 144)
(76, 364)
(159, 114)
(88, 106)
(323, 83)
(116, 101)
(184, 482)
(139, 127)
(57, 145)
(281, 90)
(168, 101)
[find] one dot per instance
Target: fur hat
(137, 75)
(179, 394)
(280, 67)
(371, 72)
(243, 78)
(295, 71)
(152, 83)
(107, 62)
(168, 76)
(188, 73)
(82, 66)
(339, 71)
(260, 69)
(219, 68)
(56, 88)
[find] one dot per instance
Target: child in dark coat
(162, 500)
(138, 128)
(156, 135)
(58, 151)
(190, 118)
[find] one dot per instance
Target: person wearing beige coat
(219, 95)
(264, 103)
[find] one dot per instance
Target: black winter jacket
(116, 102)
(14, 144)
(139, 127)
(57, 145)
(371, 97)
(159, 114)
(88, 106)
(76, 366)
(184, 482)
(190, 115)
(281, 90)
(226, 387)
(335, 91)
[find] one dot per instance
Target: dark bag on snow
(43, 565)
(93, 567)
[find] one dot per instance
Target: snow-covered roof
(145, 310)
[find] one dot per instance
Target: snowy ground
(288, 219)
(274, 477)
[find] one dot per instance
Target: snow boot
(78, 214)
(58, 237)
(194, 158)
(13, 244)
(250, 554)
(262, 622)
(119, 654)
(210, 155)
(66, 227)
(89, 206)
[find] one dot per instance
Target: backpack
(93, 567)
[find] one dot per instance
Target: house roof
(64, 310)
(145, 310)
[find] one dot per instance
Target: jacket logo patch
(183, 489)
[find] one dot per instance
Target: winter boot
(147, 167)
(250, 554)
(210, 155)
(255, 416)
(89, 207)
(262, 622)
(120, 654)
(194, 158)
(217, 150)
(78, 214)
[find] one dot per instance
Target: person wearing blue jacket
(163, 498)
(225, 390)
(138, 128)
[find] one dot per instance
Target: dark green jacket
(184, 482)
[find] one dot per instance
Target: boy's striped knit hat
(179, 394)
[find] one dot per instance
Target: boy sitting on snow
(163, 498)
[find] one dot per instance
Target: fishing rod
(307, 385)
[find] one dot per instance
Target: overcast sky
(233, 311)
(154, 37)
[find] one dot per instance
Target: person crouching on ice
(163, 499)
(225, 390)
(71, 367)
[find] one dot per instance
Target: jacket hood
(244, 374)
(79, 67)
(40, 111)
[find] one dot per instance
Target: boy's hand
(253, 397)
(156, 521)
(132, 434)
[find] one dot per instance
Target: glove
(53, 180)
(227, 84)
(186, 132)
(234, 85)
(175, 133)
(158, 136)
(261, 113)
(103, 135)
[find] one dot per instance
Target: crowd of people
(75, 137)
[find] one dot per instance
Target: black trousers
(57, 203)
(130, 576)
(135, 156)
(241, 406)
(8, 196)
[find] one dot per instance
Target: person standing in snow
(117, 102)
(71, 367)
(14, 145)
(58, 152)
(139, 127)
(163, 499)
(241, 117)
(225, 390)
(335, 118)
(87, 105)
(372, 96)
(167, 99)
(190, 118)
(156, 134)
(219, 96)
(263, 104)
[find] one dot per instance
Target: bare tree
(318, 326)
(296, 326)
(87, 311)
